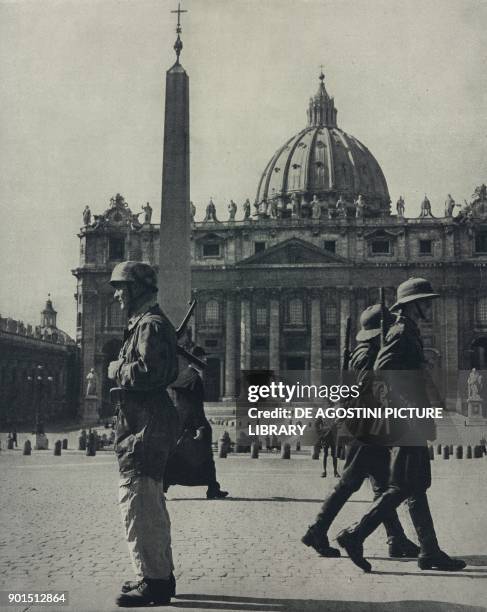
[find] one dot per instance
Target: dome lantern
(321, 109)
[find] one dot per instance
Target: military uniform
(364, 459)
(400, 364)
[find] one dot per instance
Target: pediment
(293, 251)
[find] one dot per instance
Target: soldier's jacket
(147, 422)
(401, 364)
(362, 361)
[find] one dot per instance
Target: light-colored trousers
(147, 526)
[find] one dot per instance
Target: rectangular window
(330, 246)
(380, 247)
(482, 310)
(425, 247)
(116, 249)
(261, 316)
(331, 317)
(259, 247)
(331, 344)
(211, 249)
(481, 242)
(260, 343)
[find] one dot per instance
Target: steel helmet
(134, 272)
(370, 322)
(414, 289)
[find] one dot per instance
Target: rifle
(180, 331)
(383, 317)
(346, 349)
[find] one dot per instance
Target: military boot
(355, 549)
(130, 585)
(440, 561)
(319, 542)
(149, 592)
(402, 547)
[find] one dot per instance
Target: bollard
(91, 445)
(27, 448)
(446, 452)
(469, 452)
(10, 444)
(57, 448)
(315, 453)
(459, 452)
(298, 445)
(65, 444)
(431, 452)
(286, 451)
(477, 451)
(254, 450)
(438, 449)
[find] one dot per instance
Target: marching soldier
(146, 431)
(401, 363)
(364, 458)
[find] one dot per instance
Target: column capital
(315, 292)
(244, 293)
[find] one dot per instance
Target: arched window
(296, 314)
(212, 312)
(330, 314)
(482, 310)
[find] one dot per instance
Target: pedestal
(91, 410)
(475, 416)
(42, 443)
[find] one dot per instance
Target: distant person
(192, 463)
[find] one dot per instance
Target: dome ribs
(331, 163)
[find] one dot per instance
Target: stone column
(315, 360)
(274, 331)
(448, 311)
(245, 331)
(229, 347)
(345, 294)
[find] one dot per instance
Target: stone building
(38, 371)
(276, 283)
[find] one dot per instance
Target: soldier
(364, 458)
(145, 432)
(401, 361)
(192, 463)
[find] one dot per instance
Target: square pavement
(61, 530)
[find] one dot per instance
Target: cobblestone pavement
(61, 530)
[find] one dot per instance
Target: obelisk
(175, 230)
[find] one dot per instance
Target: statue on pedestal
(400, 207)
(91, 387)
(425, 208)
(232, 210)
(86, 216)
(294, 205)
(192, 211)
(474, 386)
(211, 212)
(315, 208)
(246, 209)
(341, 207)
(274, 208)
(147, 209)
(360, 207)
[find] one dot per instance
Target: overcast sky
(82, 101)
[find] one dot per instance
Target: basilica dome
(324, 161)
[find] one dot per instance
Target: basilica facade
(276, 282)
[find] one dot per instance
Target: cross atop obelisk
(178, 45)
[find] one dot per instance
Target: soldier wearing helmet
(365, 459)
(400, 364)
(146, 431)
